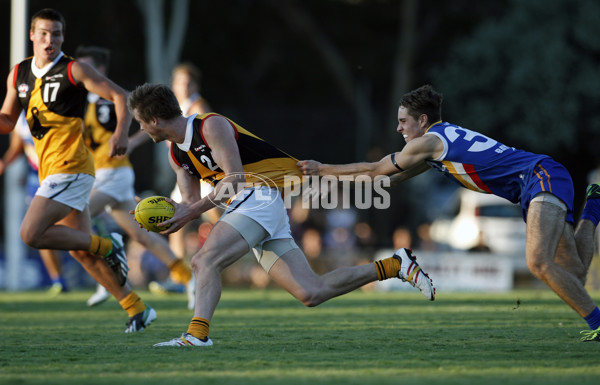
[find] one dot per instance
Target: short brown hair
(49, 14)
(154, 101)
(423, 100)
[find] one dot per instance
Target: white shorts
(72, 190)
(266, 223)
(116, 182)
(265, 206)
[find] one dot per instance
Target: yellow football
(153, 210)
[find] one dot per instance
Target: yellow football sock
(100, 246)
(132, 304)
(387, 268)
(199, 328)
(179, 272)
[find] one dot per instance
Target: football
(153, 210)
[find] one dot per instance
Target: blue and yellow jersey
(482, 164)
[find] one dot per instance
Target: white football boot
(411, 272)
(186, 339)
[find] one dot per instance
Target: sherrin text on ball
(153, 210)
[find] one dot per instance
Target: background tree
(530, 79)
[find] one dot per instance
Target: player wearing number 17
(52, 89)
(555, 253)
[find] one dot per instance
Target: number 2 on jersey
(208, 162)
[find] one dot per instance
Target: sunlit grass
(268, 337)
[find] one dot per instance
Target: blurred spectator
(481, 246)
(185, 83)
(365, 236)
(402, 238)
(425, 243)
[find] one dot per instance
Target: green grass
(267, 337)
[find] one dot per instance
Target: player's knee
(204, 262)
(197, 263)
(537, 266)
(30, 238)
(308, 298)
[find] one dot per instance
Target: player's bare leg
(41, 229)
(95, 265)
(52, 262)
(223, 247)
(294, 274)
(568, 256)
(226, 245)
(545, 227)
(585, 241)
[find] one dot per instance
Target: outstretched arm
(372, 169)
(99, 84)
(407, 174)
(407, 163)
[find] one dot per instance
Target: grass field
(266, 337)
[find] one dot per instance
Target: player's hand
(132, 212)
(118, 146)
(183, 214)
(309, 167)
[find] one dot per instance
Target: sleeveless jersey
(22, 129)
(54, 106)
(263, 163)
(100, 122)
(482, 164)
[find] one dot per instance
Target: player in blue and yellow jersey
(556, 253)
(51, 88)
(246, 173)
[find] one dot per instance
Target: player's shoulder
(428, 145)
(213, 122)
(424, 141)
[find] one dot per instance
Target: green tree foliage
(530, 78)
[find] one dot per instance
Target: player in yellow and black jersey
(51, 87)
(248, 173)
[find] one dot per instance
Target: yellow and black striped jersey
(100, 122)
(54, 105)
(263, 163)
